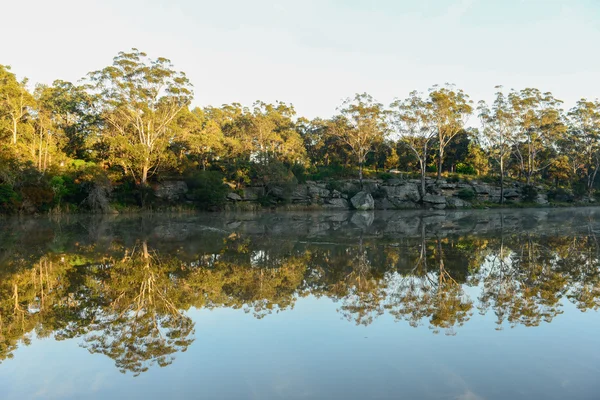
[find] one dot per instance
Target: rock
(439, 206)
(541, 199)
(433, 199)
(510, 193)
(409, 191)
(171, 190)
(403, 204)
(482, 189)
(234, 197)
(384, 204)
(393, 182)
(300, 194)
(363, 201)
(253, 193)
(315, 191)
(337, 203)
(455, 202)
(336, 194)
(447, 186)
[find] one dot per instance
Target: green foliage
(9, 199)
(207, 189)
(466, 194)
(529, 193)
(465, 169)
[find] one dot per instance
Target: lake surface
(386, 305)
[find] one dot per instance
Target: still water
(399, 305)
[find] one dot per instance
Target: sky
(314, 53)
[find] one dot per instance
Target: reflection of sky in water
(311, 352)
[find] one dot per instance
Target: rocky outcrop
(171, 190)
(396, 194)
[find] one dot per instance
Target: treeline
(107, 139)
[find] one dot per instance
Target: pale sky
(313, 53)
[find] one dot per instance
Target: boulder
(409, 191)
(510, 193)
(393, 182)
(317, 191)
(337, 203)
(300, 194)
(482, 189)
(234, 197)
(455, 202)
(434, 199)
(171, 190)
(541, 199)
(363, 201)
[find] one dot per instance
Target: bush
(466, 169)
(9, 200)
(466, 194)
(207, 189)
(529, 193)
(299, 172)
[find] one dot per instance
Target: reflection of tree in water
(141, 324)
(431, 294)
(127, 301)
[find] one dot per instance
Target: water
(433, 305)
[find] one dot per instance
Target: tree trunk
(360, 174)
(14, 131)
(145, 170)
(440, 162)
(501, 181)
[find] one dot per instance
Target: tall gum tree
(140, 99)
(450, 110)
(411, 122)
(584, 121)
(540, 125)
(360, 125)
(15, 100)
(498, 123)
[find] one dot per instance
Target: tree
(539, 124)
(140, 99)
(412, 122)
(15, 100)
(450, 109)
(499, 126)
(360, 126)
(585, 133)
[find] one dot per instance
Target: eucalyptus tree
(540, 125)
(499, 126)
(15, 100)
(140, 99)
(450, 110)
(411, 120)
(360, 125)
(584, 121)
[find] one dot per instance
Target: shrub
(299, 172)
(467, 169)
(207, 188)
(529, 193)
(9, 200)
(466, 194)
